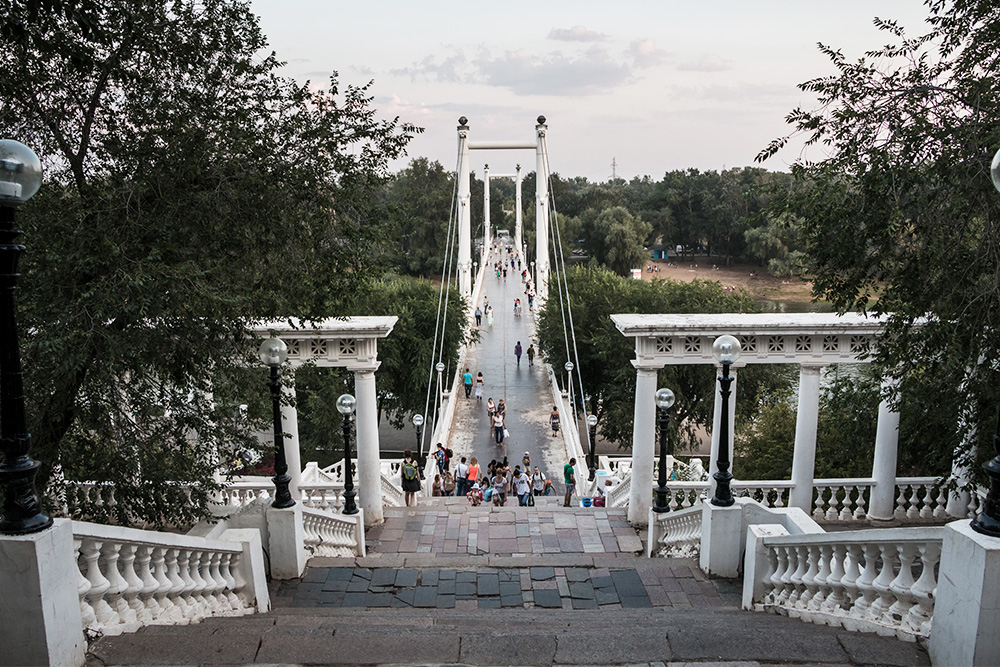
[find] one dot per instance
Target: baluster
(912, 511)
(226, 572)
(190, 605)
(198, 594)
(902, 586)
(846, 514)
(173, 601)
(833, 510)
(885, 598)
(133, 587)
(818, 513)
(941, 502)
(104, 615)
(789, 592)
(83, 586)
(220, 589)
(819, 580)
(111, 552)
(918, 618)
(144, 561)
(779, 500)
(865, 582)
(240, 583)
(860, 513)
(779, 560)
(836, 570)
(808, 579)
(900, 511)
(209, 583)
(849, 581)
(927, 505)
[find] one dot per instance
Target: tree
(900, 220)
(420, 201)
(190, 190)
(614, 237)
(605, 355)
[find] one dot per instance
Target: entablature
(350, 342)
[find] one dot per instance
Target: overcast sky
(655, 85)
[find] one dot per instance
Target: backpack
(409, 470)
(448, 453)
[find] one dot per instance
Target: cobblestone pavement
(449, 526)
(679, 585)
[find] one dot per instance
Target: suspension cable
(558, 253)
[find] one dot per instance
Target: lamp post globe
(20, 179)
(272, 353)
(418, 427)
(664, 401)
(345, 406)
(726, 350)
(995, 170)
(592, 423)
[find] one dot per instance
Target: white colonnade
(350, 343)
(812, 340)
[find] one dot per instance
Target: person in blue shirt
(467, 379)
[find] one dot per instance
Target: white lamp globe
(273, 352)
(345, 404)
(664, 398)
(20, 172)
(726, 349)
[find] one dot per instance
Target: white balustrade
(676, 534)
(879, 580)
(392, 495)
(618, 495)
(333, 534)
(130, 578)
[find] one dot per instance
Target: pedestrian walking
(479, 386)
(499, 489)
(461, 477)
(479, 316)
(531, 355)
(489, 316)
(517, 352)
(498, 428)
(410, 477)
(502, 409)
(441, 456)
(491, 409)
(473, 474)
(569, 477)
(554, 421)
(522, 487)
(538, 482)
(467, 381)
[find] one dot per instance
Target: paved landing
(449, 527)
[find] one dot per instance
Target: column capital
(646, 367)
(812, 367)
(363, 368)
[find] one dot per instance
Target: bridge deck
(525, 390)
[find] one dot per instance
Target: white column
(542, 215)
(713, 466)
(883, 499)
(369, 479)
(290, 426)
(464, 211)
(487, 236)
(806, 422)
(640, 497)
(518, 238)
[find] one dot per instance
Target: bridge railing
(333, 535)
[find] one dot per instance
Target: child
(475, 495)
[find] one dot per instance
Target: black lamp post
(592, 423)
(988, 521)
(345, 405)
(418, 426)
(273, 353)
(569, 389)
(664, 401)
(20, 178)
(726, 350)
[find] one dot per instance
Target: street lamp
(272, 353)
(475, 272)
(664, 401)
(726, 350)
(418, 426)
(345, 406)
(20, 178)
(569, 388)
(592, 423)
(439, 367)
(988, 522)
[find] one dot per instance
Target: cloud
(555, 74)
(645, 54)
(577, 33)
(706, 63)
(431, 69)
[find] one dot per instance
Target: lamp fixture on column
(726, 350)
(664, 401)
(418, 426)
(592, 423)
(345, 406)
(20, 178)
(988, 521)
(272, 353)
(569, 389)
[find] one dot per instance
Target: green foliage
(605, 355)
(614, 237)
(902, 208)
(189, 190)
